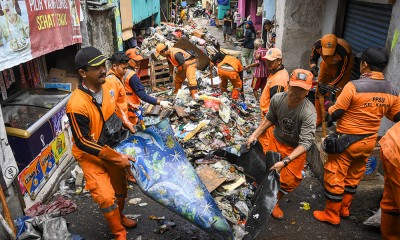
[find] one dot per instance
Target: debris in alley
(134, 201)
(305, 206)
(152, 217)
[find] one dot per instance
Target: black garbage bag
(252, 161)
(264, 199)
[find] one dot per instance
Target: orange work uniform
(334, 70)
(187, 69)
(114, 79)
(390, 204)
(105, 180)
(229, 69)
(291, 175)
(359, 110)
(276, 82)
(131, 96)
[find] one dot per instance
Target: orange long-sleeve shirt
(365, 102)
(279, 80)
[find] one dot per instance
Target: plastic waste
(374, 220)
(239, 231)
(134, 201)
(305, 206)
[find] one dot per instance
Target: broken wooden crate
(159, 74)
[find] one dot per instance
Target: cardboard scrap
(210, 177)
(203, 59)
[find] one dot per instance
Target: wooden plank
(210, 177)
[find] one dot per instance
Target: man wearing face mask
(277, 82)
(336, 66)
(294, 118)
(96, 128)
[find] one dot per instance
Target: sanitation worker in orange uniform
(229, 69)
(96, 129)
(336, 66)
(185, 63)
(358, 111)
(390, 204)
(131, 84)
(119, 65)
(294, 118)
(277, 81)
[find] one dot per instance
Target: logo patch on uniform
(329, 44)
(112, 94)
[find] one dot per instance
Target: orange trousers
(343, 171)
(189, 72)
(290, 176)
(327, 74)
(390, 204)
(235, 80)
(265, 137)
(105, 181)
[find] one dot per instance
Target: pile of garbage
(210, 127)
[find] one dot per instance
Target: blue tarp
(163, 172)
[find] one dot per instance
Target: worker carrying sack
(336, 143)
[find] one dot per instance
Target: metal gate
(366, 25)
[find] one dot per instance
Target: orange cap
(301, 78)
(273, 54)
(133, 54)
(159, 48)
(328, 42)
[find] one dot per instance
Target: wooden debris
(196, 130)
(149, 109)
(234, 185)
(210, 177)
(156, 110)
(180, 111)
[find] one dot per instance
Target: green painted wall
(142, 9)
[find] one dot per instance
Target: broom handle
(6, 210)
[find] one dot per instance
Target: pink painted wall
(241, 8)
(250, 10)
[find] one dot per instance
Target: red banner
(31, 28)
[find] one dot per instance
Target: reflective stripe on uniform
(333, 197)
(110, 208)
(349, 189)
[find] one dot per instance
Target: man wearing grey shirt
(294, 118)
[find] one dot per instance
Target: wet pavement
(88, 222)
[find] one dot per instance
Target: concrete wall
(392, 71)
(299, 26)
(328, 24)
(100, 30)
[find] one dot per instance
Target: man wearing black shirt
(227, 30)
